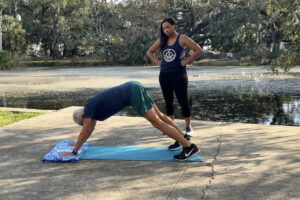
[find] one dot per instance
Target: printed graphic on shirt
(169, 55)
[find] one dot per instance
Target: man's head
(78, 116)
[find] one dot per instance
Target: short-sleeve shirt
(108, 102)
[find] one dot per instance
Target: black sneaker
(177, 145)
(187, 153)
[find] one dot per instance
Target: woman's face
(168, 28)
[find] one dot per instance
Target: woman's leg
(188, 122)
(165, 81)
(180, 85)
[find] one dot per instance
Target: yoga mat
(132, 153)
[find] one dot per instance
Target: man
(112, 100)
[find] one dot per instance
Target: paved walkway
(241, 161)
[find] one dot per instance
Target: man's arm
(87, 129)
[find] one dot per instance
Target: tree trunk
(45, 51)
(56, 54)
(277, 38)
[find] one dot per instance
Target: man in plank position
(110, 101)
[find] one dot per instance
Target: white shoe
(189, 131)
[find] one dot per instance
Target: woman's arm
(189, 43)
(152, 50)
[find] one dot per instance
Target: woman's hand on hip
(183, 63)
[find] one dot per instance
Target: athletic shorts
(139, 99)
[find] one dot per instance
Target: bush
(5, 60)
(259, 55)
(137, 54)
(285, 61)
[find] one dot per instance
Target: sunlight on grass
(8, 117)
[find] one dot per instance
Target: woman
(173, 75)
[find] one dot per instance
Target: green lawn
(72, 62)
(8, 117)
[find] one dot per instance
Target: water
(229, 101)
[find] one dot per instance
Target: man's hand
(72, 144)
(66, 154)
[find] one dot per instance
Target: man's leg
(146, 107)
(170, 130)
(166, 119)
(189, 150)
(176, 145)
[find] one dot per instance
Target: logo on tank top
(169, 55)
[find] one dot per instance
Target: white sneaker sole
(190, 133)
(189, 157)
(180, 147)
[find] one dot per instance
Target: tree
(13, 35)
(141, 29)
(102, 25)
(288, 13)
(57, 25)
(191, 16)
(122, 31)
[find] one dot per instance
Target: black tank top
(171, 57)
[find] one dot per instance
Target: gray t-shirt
(108, 102)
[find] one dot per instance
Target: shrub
(5, 60)
(285, 61)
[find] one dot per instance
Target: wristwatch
(74, 152)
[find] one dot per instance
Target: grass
(72, 62)
(8, 117)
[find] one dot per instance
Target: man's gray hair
(78, 116)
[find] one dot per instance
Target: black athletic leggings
(177, 82)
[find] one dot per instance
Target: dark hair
(163, 37)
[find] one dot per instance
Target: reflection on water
(277, 109)
(228, 105)
(260, 109)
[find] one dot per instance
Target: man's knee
(159, 113)
(156, 122)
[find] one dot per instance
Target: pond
(249, 102)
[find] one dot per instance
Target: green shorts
(139, 99)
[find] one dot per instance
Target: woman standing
(173, 75)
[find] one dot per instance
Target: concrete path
(241, 161)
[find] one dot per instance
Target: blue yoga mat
(132, 153)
